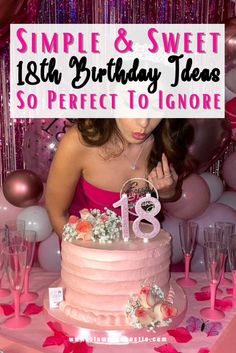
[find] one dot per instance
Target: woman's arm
(63, 177)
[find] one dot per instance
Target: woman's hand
(164, 178)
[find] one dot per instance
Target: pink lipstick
(139, 135)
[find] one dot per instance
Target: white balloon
(36, 218)
(171, 225)
(228, 198)
(49, 254)
(215, 185)
(197, 262)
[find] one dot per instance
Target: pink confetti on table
(201, 296)
(33, 309)
(203, 350)
(181, 334)
(7, 309)
(229, 291)
(223, 304)
(60, 338)
(166, 348)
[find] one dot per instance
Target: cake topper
(135, 188)
(136, 199)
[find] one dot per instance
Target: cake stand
(79, 331)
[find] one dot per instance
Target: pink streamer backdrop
(90, 11)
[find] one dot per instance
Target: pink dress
(89, 196)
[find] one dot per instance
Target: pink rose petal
(223, 304)
(82, 347)
(166, 348)
(229, 290)
(33, 309)
(53, 341)
(55, 327)
(181, 334)
(7, 309)
(201, 296)
(203, 350)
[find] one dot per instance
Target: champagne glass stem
(187, 258)
(16, 268)
(213, 295)
(16, 295)
(26, 280)
(223, 267)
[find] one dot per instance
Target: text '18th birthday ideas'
(117, 71)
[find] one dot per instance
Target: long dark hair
(171, 136)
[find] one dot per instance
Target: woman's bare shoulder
(72, 142)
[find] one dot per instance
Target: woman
(97, 156)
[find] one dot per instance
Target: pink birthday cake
(112, 283)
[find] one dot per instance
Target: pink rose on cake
(84, 228)
(86, 215)
(143, 316)
(146, 298)
(73, 220)
(164, 311)
(103, 218)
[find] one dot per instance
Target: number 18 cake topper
(139, 202)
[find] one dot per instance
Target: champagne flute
(211, 234)
(232, 263)
(29, 242)
(228, 230)
(15, 261)
(14, 232)
(3, 291)
(214, 266)
(188, 232)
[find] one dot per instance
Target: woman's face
(136, 130)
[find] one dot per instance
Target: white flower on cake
(93, 225)
(150, 308)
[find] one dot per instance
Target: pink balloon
(7, 210)
(22, 188)
(216, 212)
(49, 254)
(171, 225)
(211, 137)
(230, 109)
(40, 143)
(229, 168)
(194, 200)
